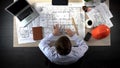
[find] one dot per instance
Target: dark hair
(63, 45)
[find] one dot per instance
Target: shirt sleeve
(45, 47)
(76, 39)
(82, 47)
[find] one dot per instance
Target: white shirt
(51, 53)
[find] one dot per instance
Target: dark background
(32, 57)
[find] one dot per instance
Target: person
(62, 52)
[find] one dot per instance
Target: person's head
(63, 45)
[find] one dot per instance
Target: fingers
(59, 30)
(69, 32)
(56, 31)
(56, 26)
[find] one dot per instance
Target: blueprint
(101, 15)
(49, 16)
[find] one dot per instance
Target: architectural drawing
(51, 15)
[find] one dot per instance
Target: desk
(91, 42)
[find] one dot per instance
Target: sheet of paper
(100, 15)
(51, 15)
(103, 7)
(93, 3)
(24, 34)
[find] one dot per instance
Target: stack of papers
(100, 15)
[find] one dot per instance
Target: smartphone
(87, 36)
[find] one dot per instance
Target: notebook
(23, 11)
(37, 33)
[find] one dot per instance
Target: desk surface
(92, 42)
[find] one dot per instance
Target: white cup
(89, 23)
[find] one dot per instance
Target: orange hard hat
(100, 31)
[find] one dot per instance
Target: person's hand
(69, 32)
(56, 30)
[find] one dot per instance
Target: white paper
(24, 34)
(62, 15)
(93, 3)
(49, 16)
(101, 15)
(103, 7)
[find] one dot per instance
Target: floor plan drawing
(51, 15)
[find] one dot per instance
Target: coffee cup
(89, 23)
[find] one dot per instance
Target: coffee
(89, 22)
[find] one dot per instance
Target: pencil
(76, 29)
